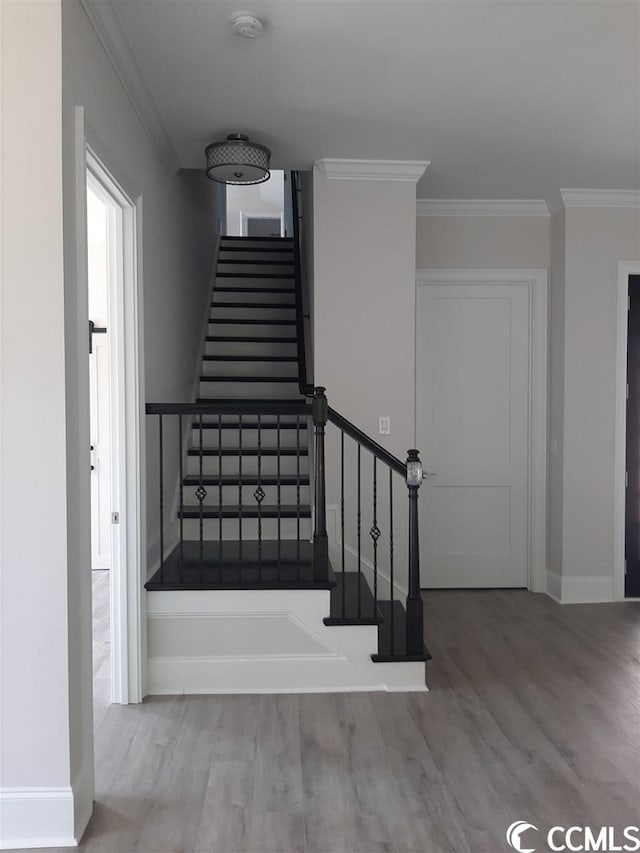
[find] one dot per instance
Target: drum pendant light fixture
(237, 161)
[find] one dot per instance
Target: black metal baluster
(220, 556)
(298, 493)
(240, 497)
(181, 488)
(391, 587)
(259, 496)
(359, 520)
(201, 495)
(279, 491)
(161, 495)
(344, 588)
(375, 535)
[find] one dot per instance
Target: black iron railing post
(320, 539)
(415, 619)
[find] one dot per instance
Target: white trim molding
(36, 817)
(625, 269)
(481, 207)
(593, 198)
(106, 23)
(580, 590)
(372, 170)
(536, 280)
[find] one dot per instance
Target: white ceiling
(507, 99)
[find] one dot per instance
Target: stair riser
(252, 267)
(240, 281)
(219, 312)
(250, 348)
(249, 390)
(283, 243)
(230, 438)
(251, 257)
(230, 465)
(251, 368)
(230, 495)
(220, 298)
(251, 329)
(230, 529)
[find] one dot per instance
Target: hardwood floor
(533, 714)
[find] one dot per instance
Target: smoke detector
(246, 24)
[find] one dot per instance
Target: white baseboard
(580, 590)
(36, 817)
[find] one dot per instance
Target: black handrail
(372, 446)
(232, 407)
(305, 386)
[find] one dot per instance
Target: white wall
(596, 239)
(35, 629)
(265, 199)
(482, 242)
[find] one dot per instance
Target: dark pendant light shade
(237, 161)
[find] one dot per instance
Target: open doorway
(115, 404)
(257, 210)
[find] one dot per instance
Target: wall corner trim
(481, 207)
(565, 198)
(36, 817)
(108, 28)
(372, 170)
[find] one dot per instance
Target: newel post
(415, 638)
(319, 410)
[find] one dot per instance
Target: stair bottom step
(352, 602)
(238, 565)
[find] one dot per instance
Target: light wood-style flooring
(533, 714)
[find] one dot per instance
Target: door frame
(127, 616)
(625, 269)
(536, 283)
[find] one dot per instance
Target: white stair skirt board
(263, 641)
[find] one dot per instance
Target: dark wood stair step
(254, 290)
(249, 321)
(352, 602)
(268, 262)
(280, 275)
(257, 379)
(247, 451)
(248, 511)
(265, 358)
(289, 306)
(392, 635)
(252, 424)
(235, 565)
(251, 339)
(225, 238)
(246, 480)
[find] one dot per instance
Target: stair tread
(289, 306)
(277, 358)
(252, 339)
(392, 635)
(254, 290)
(225, 238)
(267, 261)
(287, 566)
(247, 480)
(352, 602)
(227, 378)
(247, 451)
(249, 321)
(248, 511)
(264, 424)
(287, 249)
(280, 275)
(272, 402)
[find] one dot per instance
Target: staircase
(245, 598)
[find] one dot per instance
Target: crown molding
(481, 207)
(372, 170)
(562, 199)
(109, 30)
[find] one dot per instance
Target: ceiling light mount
(247, 25)
(237, 161)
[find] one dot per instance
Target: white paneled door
(472, 421)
